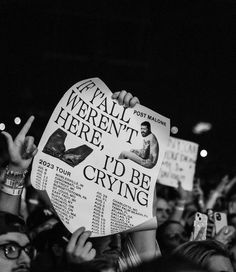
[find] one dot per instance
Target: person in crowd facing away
(210, 254)
(141, 245)
(147, 156)
(171, 263)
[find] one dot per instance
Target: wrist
(215, 194)
(16, 168)
(12, 181)
(200, 201)
(181, 202)
(180, 205)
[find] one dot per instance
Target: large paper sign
(99, 161)
(179, 163)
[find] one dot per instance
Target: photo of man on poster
(147, 156)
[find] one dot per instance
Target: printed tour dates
(51, 166)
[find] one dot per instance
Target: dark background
(178, 57)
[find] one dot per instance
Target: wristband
(200, 202)
(12, 182)
(181, 203)
(179, 208)
(11, 191)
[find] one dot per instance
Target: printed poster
(98, 161)
(179, 164)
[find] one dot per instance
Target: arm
(222, 189)
(225, 235)
(78, 249)
(145, 244)
(21, 152)
(154, 152)
(180, 204)
(198, 196)
(138, 152)
(143, 241)
(210, 203)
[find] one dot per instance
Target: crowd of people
(32, 237)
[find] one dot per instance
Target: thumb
(115, 95)
(179, 186)
(8, 139)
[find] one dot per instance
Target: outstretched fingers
(21, 135)
(29, 147)
(73, 240)
(8, 139)
(79, 249)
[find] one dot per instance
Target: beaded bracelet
(14, 174)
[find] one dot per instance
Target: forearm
(178, 211)
(138, 152)
(201, 205)
(145, 244)
(21, 151)
(176, 215)
(210, 203)
(10, 202)
(148, 163)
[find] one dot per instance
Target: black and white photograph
(117, 136)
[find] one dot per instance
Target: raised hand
(225, 235)
(229, 185)
(125, 98)
(197, 190)
(79, 249)
(222, 185)
(21, 150)
(198, 194)
(182, 193)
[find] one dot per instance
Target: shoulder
(153, 138)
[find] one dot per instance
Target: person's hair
(166, 192)
(161, 228)
(12, 223)
(173, 263)
(200, 251)
(161, 238)
(96, 265)
(146, 124)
